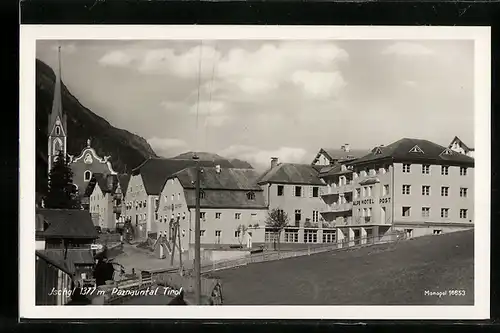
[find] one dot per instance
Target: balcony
(338, 189)
(338, 208)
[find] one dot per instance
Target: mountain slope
(127, 150)
(214, 157)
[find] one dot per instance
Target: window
(444, 170)
(463, 213)
(202, 215)
(436, 231)
(237, 233)
(426, 211)
(416, 149)
(426, 169)
(218, 233)
(406, 211)
(463, 192)
(251, 196)
(463, 171)
(328, 236)
(385, 190)
(270, 236)
(173, 197)
(370, 188)
(58, 130)
(315, 216)
(202, 195)
(364, 191)
(291, 236)
(426, 190)
(444, 191)
(217, 216)
(298, 191)
(315, 192)
(237, 216)
(280, 190)
(406, 189)
(298, 215)
(406, 168)
(156, 216)
(202, 233)
(87, 175)
(144, 203)
(444, 212)
(178, 196)
(357, 194)
(310, 236)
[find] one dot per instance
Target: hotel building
(412, 185)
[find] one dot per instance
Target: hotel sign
(371, 201)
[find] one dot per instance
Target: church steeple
(57, 130)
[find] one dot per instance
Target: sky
(254, 100)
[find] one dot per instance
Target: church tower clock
(57, 130)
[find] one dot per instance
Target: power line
(210, 96)
(199, 84)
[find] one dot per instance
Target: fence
(318, 248)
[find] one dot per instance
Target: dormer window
(378, 151)
(202, 194)
(251, 196)
(416, 149)
(447, 152)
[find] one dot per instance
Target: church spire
(57, 129)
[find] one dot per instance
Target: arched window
(57, 146)
(251, 196)
(58, 130)
(87, 175)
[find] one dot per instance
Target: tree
(277, 220)
(242, 230)
(61, 192)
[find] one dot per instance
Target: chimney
(217, 168)
(346, 147)
(274, 162)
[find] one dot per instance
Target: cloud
(238, 70)
(116, 58)
(209, 108)
(167, 146)
(410, 83)
(173, 106)
(261, 158)
(319, 84)
(407, 48)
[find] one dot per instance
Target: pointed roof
(461, 143)
(291, 173)
(340, 154)
(67, 223)
(124, 179)
(155, 171)
(57, 110)
(404, 150)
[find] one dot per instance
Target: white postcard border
(482, 58)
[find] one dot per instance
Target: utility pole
(197, 250)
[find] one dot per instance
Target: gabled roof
(155, 171)
(331, 170)
(124, 179)
(339, 154)
(290, 173)
(67, 223)
(226, 199)
(400, 151)
(227, 179)
(461, 143)
(73, 257)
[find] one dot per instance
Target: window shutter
(311, 191)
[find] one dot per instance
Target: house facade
(295, 189)
(229, 198)
(106, 200)
(144, 187)
(413, 186)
